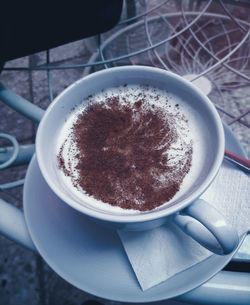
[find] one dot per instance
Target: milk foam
(188, 131)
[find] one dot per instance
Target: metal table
(205, 41)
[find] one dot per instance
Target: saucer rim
(140, 297)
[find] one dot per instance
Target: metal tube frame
(224, 288)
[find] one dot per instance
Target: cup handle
(207, 226)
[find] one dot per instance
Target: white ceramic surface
(212, 144)
(90, 256)
(58, 111)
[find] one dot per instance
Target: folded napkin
(158, 254)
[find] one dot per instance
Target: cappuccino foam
(178, 150)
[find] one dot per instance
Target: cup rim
(141, 216)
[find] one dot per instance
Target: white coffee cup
(194, 216)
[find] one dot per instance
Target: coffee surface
(129, 147)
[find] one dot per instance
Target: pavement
(25, 278)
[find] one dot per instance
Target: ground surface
(24, 277)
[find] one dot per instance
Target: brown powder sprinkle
(122, 154)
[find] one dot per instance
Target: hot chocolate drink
(129, 148)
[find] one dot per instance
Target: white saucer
(91, 257)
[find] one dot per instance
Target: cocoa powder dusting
(123, 154)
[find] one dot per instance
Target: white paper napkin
(158, 254)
